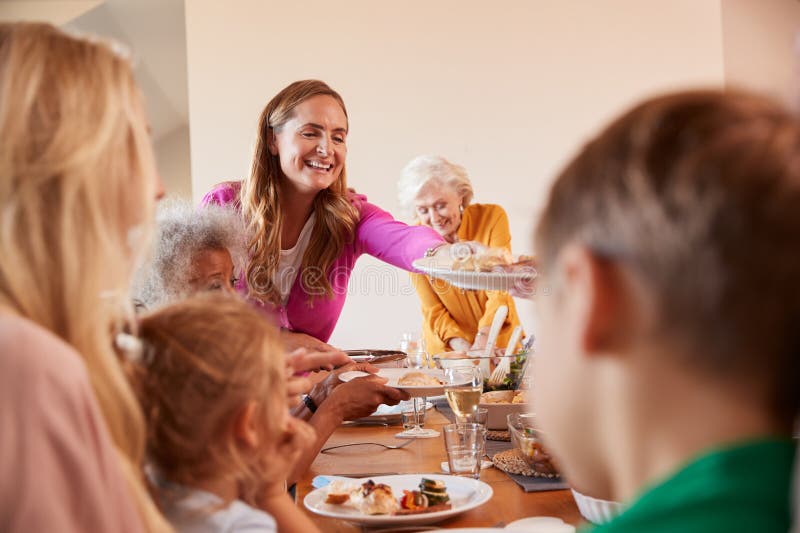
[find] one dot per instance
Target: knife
(378, 356)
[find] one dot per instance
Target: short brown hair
(698, 194)
(204, 359)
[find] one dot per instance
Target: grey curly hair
(181, 232)
(426, 168)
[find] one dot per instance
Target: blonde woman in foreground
(77, 187)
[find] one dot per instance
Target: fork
(504, 367)
(387, 446)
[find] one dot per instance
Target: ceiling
(154, 30)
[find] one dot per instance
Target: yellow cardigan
(450, 312)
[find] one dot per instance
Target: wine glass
(463, 386)
(414, 346)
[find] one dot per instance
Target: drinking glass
(413, 417)
(416, 431)
(463, 386)
(414, 345)
(465, 445)
(479, 416)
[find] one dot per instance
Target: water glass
(413, 345)
(479, 416)
(413, 417)
(465, 445)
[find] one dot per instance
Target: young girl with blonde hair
(212, 383)
(77, 187)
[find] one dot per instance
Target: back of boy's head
(697, 194)
(204, 359)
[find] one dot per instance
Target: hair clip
(130, 346)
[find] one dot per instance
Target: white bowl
(594, 510)
(497, 413)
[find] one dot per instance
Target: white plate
(465, 494)
(394, 374)
(390, 414)
(539, 523)
(499, 280)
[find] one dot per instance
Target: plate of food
(491, 269)
(404, 499)
(416, 382)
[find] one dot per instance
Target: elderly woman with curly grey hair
(438, 193)
(194, 250)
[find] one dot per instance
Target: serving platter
(500, 279)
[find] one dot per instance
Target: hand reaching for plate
(322, 390)
(302, 361)
(361, 396)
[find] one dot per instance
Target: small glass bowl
(528, 439)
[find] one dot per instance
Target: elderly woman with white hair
(438, 193)
(194, 250)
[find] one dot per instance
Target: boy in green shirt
(667, 374)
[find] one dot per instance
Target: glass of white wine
(462, 388)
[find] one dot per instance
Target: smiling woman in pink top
(307, 229)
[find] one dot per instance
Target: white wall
(174, 163)
(508, 89)
(761, 46)
(56, 12)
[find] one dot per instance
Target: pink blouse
(59, 470)
(377, 234)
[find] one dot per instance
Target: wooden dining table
(509, 502)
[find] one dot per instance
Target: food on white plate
(434, 490)
(342, 492)
(377, 498)
(504, 397)
(490, 259)
(418, 379)
(483, 261)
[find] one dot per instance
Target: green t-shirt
(743, 488)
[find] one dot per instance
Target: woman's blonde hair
(77, 184)
(204, 360)
(336, 217)
(431, 168)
